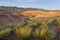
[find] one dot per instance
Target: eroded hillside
(29, 11)
(42, 13)
(14, 15)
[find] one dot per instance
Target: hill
(29, 24)
(13, 15)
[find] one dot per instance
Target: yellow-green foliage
(4, 32)
(44, 31)
(50, 33)
(58, 21)
(40, 32)
(33, 23)
(23, 31)
(36, 33)
(42, 28)
(50, 22)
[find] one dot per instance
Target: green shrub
(50, 22)
(50, 33)
(42, 28)
(23, 32)
(44, 33)
(36, 33)
(4, 32)
(22, 24)
(33, 23)
(58, 21)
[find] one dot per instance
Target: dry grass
(39, 13)
(23, 32)
(4, 32)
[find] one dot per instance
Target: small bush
(36, 33)
(50, 22)
(23, 32)
(4, 32)
(50, 33)
(58, 21)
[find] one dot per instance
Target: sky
(43, 4)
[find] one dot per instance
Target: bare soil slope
(42, 13)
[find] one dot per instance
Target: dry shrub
(4, 32)
(23, 31)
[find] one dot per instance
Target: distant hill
(13, 15)
(42, 13)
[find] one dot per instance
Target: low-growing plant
(23, 32)
(58, 21)
(51, 33)
(44, 33)
(4, 32)
(43, 29)
(36, 33)
(50, 22)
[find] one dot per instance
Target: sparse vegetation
(23, 32)
(26, 24)
(4, 32)
(39, 28)
(43, 29)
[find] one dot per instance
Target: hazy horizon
(43, 4)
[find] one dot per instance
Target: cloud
(4, 3)
(27, 0)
